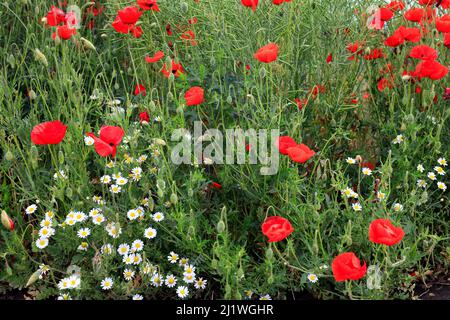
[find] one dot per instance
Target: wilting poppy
(156, 57)
(110, 138)
(148, 5)
(194, 96)
(382, 231)
(51, 132)
(347, 266)
(276, 228)
(140, 89)
(250, 3)
(300, 153)
(176, 70)
(283, 143)
(268, 53)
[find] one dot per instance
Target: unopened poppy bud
(220, 226)
(159, 142)
(61, 157)
(212, 61)
(87, 44)
(214, 263)
(7, 221)
(69, 192)
(39, 56)
(32, 94)
(262, 72)
(174, 198)
(358, 158)
(33, 278)
(9, 156)
(229, 100)
(161, 184)
(170, 95)
(184, 7)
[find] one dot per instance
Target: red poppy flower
(194, 96)
(382, 231)
(443, 23)
(120, 27)
(396, 5)
(194, 20)
(329, 58)
(136, 31)
(156, 57)
(140, 89)
(423, 52)
(278, 2)
(148, 5)
(374, 54)
(215, 185)
(129, 15)
(355, 49)
(110, 138)
(347, 266)
(447, 94)
(384, 83)
(176, 70)
(276, 228)
(267, 54)
(283, 143)
(250, 3)
(300, 153)
(64, 32)
(426, 2)
(55, 16)
(169, 29)
(301, 103)
(51, 132)
(431, 69)
(447, 40)
(189, 36)
(414, 14)
(144, 116)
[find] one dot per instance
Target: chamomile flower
(312, 278)
(115, 189)
(144, 202)
(121, 181)
(442, 162)
(137, 258)
(137, 297)
(137, 245)
(350, 160)
(399, 139)
(106, 179)
(397, 207)
(182, 292)
(442, 186)
(89, 141)
(421, 183)
(31, 209)
(79, 216)
(132, 214)
(74, 282)
(123, 249)
(183, 261)
(248, 294)
(170, 281)
(83, 246)
(98, 219)
(323, 267)
(94, 212)
(420, 168)
(49, 215)
(107, 284)
(188, 277)
(84, 233)
(43, 270)
(63, 284)
(200, 283)
(156, 280)
(128, 274)
(431, 176)
(366, 171)
(46, 223)
(265, 297)
(128, 259)
(41, 243)
(381, 195)
(46, 232)
(117, 175)
(113, 230)
(439, 170)
(357, 206)
(142, 158)
(189, 268)
(150, 233)
(110, 164)
(98, 199)
(158, 216)
(136, 171)
(172, 257)
(107, 249)
(65, 296)
(140, 211)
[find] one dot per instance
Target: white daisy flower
(366, 171)
(431, 175)
(123, 249)
(442, 162)
(420, 168)
(137, 245)
(170, 281)
(107, 284)
(182, 292)
(158, 216)
(442, 186)
(107, 249)
(397, 207)
(84, 233)
(312, 278)
(439, 170)
(137, 297)
(200, 283)
(106, 179)
(357, 206)
(41, 243)
(150, 233)
(31, 209)
(128, 274)
(115, 189)
(172, 257)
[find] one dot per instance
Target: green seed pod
(160, 193)
(262, 72)
(240, 274)
(152, 106)
(161, 184)
(229, 100)
(220, 226)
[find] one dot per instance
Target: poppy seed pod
(184, 7)
(7, 221)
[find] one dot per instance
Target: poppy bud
(269, 253)
(32, 94)
(184, 7)
(262, 73)
(39, 56)
(174, 198)
(214, 263)
(87, 44)
(152, 106)
(9, 156)
(61, 157)
(229, 100)
(7, 221)
(220, 226)
(358, 158)
(69, 193)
